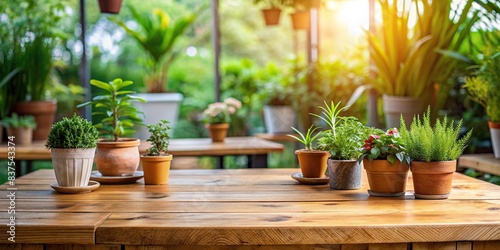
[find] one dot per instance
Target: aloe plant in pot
(72, 143)
(115, 155)
(156, 162)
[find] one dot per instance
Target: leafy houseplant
(386, 162)
(20, 127)
(116, 105)
(72, 142)
(217, 117)
(433, 151)
(312, 162)
(156, 163)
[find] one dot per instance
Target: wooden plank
(83, 247)
(434, 246)
(486, 245)
(482, 162)
(464, 245)
(21, 247)
(262, 247)
(56, 228)
(396, 246)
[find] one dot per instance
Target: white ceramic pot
(279, 119)
(158, 106)
(495, 138)
(395, 106)
(72, 166)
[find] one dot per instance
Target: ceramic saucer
(124, 179)
(310, 181)
(76, 190)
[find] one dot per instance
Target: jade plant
(116, 105)
(16, 121)
(73, 132)
(159, 138)
(438, 142)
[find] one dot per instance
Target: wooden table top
(482, 162)
(178, 147)
(245, 207)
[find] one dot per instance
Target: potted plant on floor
(217, 117)
(434, 151)
(159, 37)
(156, 162)
(72, 143)
(20, 127)
(484, 88)
(116, 156)
(312, 161)
(386, 163)
(344, 140)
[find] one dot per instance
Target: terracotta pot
(312, 162)
(118, 158)
(344, 174)
(395, 106)
(156, 169)
(110, 6)
(44, 113)
(271, 16)
(432, 180)
(72, 166)
(495, 137)
(218, 132)
(300, 20)
(22, 136)
(386, 179)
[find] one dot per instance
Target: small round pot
(218, 132)
(156, 169)
(271, 16)
(495, 137)
(119, 158)
(344, 174)
(72, 166)
(312, 162)
(386, 179)
(22, 135)
(432, 180)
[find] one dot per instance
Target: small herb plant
(16, 121)
(73, 132)
(306, 139)
(440, 142)
(385, 146)
(116, 106)
(159, 138)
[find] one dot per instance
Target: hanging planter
(271, 16)
(110, 6)
(300, 20)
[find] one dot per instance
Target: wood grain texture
(486, 245)
(82, 247)
(435, 246)
(482, 162)
(21, 247)
(464, 245)
(281, 247)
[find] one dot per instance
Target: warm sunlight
(352, 14)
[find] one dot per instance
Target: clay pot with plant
(217, 117)
(72, 143)
(20, 128)
(156, 162)
(386, 163)
(115, 155)
(343, 140)
(271, 10)
(312, 161)
(434, 150)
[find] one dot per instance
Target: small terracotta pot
(22, 135)
(110, 6)
(432, 180)
(344, 174)
(271, 16)
(218, 132)
(313, 163)
(118, 158)
(300, 20)
(44, 113)
(156, 169)
(386, 179)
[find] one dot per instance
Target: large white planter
(395, 106)
(72, 166)
(279, 119)
(158, 106)
(495, 138)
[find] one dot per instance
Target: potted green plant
(72, 143)
(484, 88)
(20, 127)
(434, 150)
(159, 37)
(116, 156)
(411, 71)
(156, 162)
(217, 117)
(344, 140)
(312, 161)
(386, 163)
